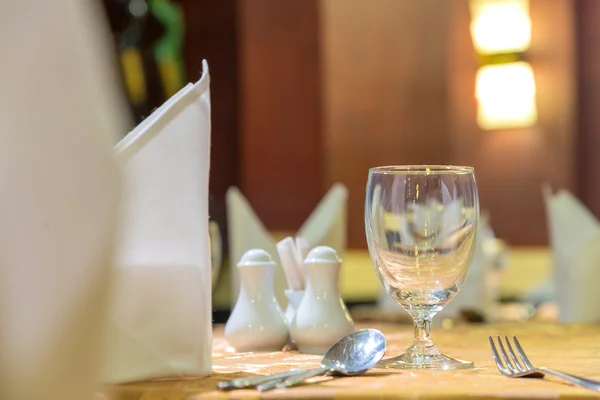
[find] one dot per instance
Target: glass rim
(421, 170)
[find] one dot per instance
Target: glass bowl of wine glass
(421, 224)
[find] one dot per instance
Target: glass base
(421, 357)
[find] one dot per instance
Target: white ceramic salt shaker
(256, 322)
(322, 317)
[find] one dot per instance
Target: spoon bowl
(354, 354)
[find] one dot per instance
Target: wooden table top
(574, 349)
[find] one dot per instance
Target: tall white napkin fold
(59, 116)
(575, 240)
(326, 226)
(160, 315)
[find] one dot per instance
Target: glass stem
(422, 332)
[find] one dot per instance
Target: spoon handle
(241, 383)
(293, 380)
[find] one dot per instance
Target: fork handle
(575, 380)
(241, 383)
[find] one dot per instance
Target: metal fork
(511, 367)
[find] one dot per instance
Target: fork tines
(510, 365)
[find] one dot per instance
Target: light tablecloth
(573, 348)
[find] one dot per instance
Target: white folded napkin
(478, 293)
(60, 113)
(160, 315)
(574, 234)
(326, 226)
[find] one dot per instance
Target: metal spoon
(353, 354)
(241, 383)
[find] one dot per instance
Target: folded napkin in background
(479, 292)
(574, 234)
(160, 313)
(60, 113)
(326, 226)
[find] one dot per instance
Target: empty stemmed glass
(421, 223)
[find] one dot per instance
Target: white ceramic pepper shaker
(256, 322)
(322, 317)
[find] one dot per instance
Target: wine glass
(421, 223)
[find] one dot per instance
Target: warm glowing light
(500, 26)
(506, 96)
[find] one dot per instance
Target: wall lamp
(505, 82)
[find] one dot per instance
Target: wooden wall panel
(280, 131)
(588, 145)
(211, 34)
(385, 100)
(512, 165)
(328, 89)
